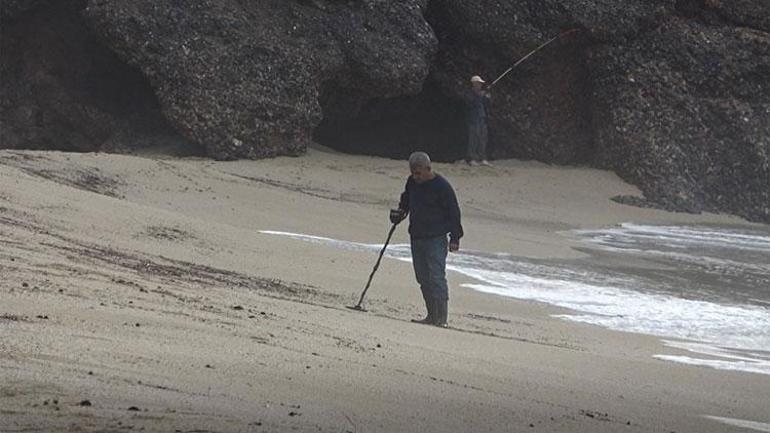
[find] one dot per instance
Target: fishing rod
(520, 61)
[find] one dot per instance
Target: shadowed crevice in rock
(63, 90)
(430, 121)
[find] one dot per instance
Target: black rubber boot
(440, 313)
(430, 318)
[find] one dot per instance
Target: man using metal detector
(431, 204)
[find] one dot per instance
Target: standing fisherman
(476, 115)
(476, 120)
(431, 204)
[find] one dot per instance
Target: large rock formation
(671, 94)
(245, 77)
(683, 112)
(541, 110)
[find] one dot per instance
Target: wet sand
(137, 293)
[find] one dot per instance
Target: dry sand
(143, 286)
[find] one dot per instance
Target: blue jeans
(429, 260)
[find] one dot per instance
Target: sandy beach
(140, 293)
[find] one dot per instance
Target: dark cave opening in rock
(61, 89)
(430, 121)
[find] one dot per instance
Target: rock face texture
(745, 13)
(61, 89)
(245, 77)
(674, 95)
(10, 9)
(684, 113)
(541, 110)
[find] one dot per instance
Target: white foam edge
(731, 359)
(679, 235)
(742, 423)
(492, 287)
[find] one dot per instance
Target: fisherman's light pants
(429, 260)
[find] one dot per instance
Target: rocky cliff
(245, 78)
(60, 88)
(674, 95)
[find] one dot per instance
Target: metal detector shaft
(520, 61)
(376, 265)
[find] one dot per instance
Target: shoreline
(600, 299)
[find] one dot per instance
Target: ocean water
(704, 290)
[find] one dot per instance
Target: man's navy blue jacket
(432, 208)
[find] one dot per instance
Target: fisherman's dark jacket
(476, 110)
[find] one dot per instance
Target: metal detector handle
(377, 265)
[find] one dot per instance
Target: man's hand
(454, 247)
(397, 215)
